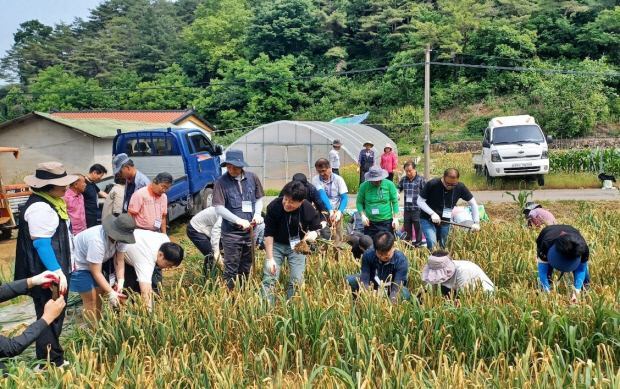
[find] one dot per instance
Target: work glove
(45, 279)
(365, 220)
(398, 196)
(62, 282)
(435, 218)
(395, 224)
(115, 298)
(258, 219)
(218, 257)
(323, 224)
(270, 266)
(119, 285)
(475, 227)
(574, 297)
(358, 170)
(243, 224)
(336, 216)
(311, 236)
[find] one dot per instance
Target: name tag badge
(409, 199)
(447, 213)
(374, 211)
(294, 240)
(157, 223)
(246, 206)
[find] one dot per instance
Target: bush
(477, 125)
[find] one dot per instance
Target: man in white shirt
(332, 191)
(204, 230)
(151, 248)
(454, 276)
(334, 157)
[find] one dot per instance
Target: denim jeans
(353, 282)
(297, 265)
(434, 233)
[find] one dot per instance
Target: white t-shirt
(93, 246)
(208, 222)
(43, 222)
(142, 255)
(333, 189)
(468, 274)
(334, 159)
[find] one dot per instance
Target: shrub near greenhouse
(199, 335)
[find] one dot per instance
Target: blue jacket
(394, 271)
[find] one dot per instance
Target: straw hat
(50, 173)
(369, 143)
(337, 143)
(438, 270)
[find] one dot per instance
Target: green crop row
(588, 160)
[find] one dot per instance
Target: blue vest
(234, 198)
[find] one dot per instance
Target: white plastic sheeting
(278, 150)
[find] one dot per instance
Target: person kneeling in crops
(92, 248)
(290, 223)
(151, 248)
(536, 216)
(383, 266)
(454, 276)
(561, 247)
(359, 245)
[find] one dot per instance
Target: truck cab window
(201, 143)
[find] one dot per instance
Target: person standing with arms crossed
(412, 183)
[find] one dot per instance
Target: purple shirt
(539, 217)
(76, 211)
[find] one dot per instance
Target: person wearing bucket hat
(438, 197)
(536, 216)
(382, 264)
(334, 157)
(454, 276)
(237, 198)
(134, 179)
(562, 247)
(45, 242)
(92, 248)
(389, 161)
(377, 202)
(365, 160)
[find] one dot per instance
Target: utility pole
(427, 113)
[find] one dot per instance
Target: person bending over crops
(290, 223)
(454, 276)
(312, 196)
(11, 347)
(333, 192)
(382, 266)
(438, 197)
(92, 248)
(377, 202)
(359, 244)
(205, 230)
(536, 216)
(561, 247)
(237, 198)
(151, 249)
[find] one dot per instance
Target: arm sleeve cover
(475, 214)
(344, 200)
(580, 275)
(46, 253)
(258, 207)
(543, 271)
(423, 206)
(225, 213)
(325, 199)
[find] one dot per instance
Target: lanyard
(290, 218)
(444, 197)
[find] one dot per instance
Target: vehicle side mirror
(549, 139)
(486, 144)
(219, 150)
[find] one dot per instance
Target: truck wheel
(207, 198)
(541, 180)
(490, 179)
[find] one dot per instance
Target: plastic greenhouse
(278, 150)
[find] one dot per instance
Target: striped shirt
(412, 190)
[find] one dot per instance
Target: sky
(48, 12)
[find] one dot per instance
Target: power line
(521, 69)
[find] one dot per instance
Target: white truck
(513, 146)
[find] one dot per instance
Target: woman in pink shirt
(149, 205)
(388, 161)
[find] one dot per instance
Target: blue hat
(235, 158)
(562, 262)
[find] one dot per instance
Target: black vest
(366, 161)
(234, 199)
(27, 260)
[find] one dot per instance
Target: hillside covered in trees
(218, 55)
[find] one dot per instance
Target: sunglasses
(449, 184)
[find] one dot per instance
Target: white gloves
(119, 285)
(258, 219)
(365, 220)
(45, 279)
(395, 224)
(323, 224)
(475, 227)
(270, 266)
(574, 297)
(311, 236)
(218, 257)
(62, 283)
(335, 216)
(244, 224)
(435, 218)
(115, 297)
(398, 196)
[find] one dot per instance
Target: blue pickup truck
(187, 154)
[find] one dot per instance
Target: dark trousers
(375, 227)
(91, 221)
(362, 175)
(336, 171)
(131, 279)
(412, 218)
(203, 244)
(50, 337)
(390, 177)
(237, 258)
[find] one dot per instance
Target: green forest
(243, 63)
